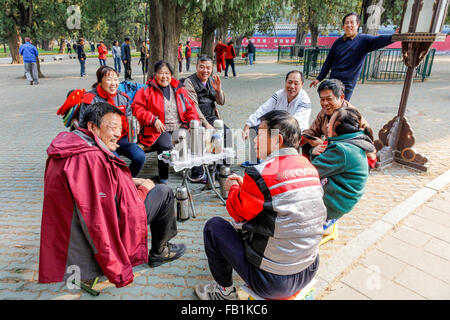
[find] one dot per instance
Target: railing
(379, 65)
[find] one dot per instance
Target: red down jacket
(148, 106)
(92, 214)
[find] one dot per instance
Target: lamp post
(421, 24)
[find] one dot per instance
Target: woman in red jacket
(230, 54)
(102, 52)
(161, 108)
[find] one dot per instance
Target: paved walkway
(29, 122)
(410, 261)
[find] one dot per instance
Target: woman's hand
(159, 126)
(320, 148)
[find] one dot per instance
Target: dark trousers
(82, 67)
(127, 68)
(160, 216)
(230, 62)
(225, 251)
(180, 65)
(188, 63)
(102, 62)
(133, 152)
(349, 90)
(163, 143)
(117, 65)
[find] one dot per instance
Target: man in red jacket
(95, 214)
(220, 55)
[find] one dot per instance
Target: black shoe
(170, 252)
(31, 83)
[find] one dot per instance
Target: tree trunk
(38, 64)
(238, 44)
(208, 29)
(221, 34)
(314, 28)
(62, 46)
(166, 17)
(300, 35)
(14, 42)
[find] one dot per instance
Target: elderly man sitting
(293, 99)
(95, 214)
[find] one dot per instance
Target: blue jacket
(29, 52)
(346, 57)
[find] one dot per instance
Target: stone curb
(330, 270)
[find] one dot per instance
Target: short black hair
(358, 19)
(203, 58)
(162, 63)
(286, 124)
(127, 39)
(295, 71)
(334, 85)
(95, 113)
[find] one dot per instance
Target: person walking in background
(230, 54)
(102, 52)
(116, 56)
(92, 47)
(220, 56)
(187, 54)
(69, 47)
(144, 57)
(81, 57)
(180, 58)
(250, 52)
(30, 54)
(125, 53)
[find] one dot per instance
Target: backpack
(130, 88)
(71, 108)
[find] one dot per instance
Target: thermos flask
(182, 198)
(224, 173)
(132, 129)
(194, 125)
(218, 137)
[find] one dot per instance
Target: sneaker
(226, 77)
(213, 291)
(170, 252)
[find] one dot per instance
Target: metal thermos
(197, 133)
(224, 173)
(179, 141)
(182, 198)
(132, 129)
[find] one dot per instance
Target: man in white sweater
(292, 99)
